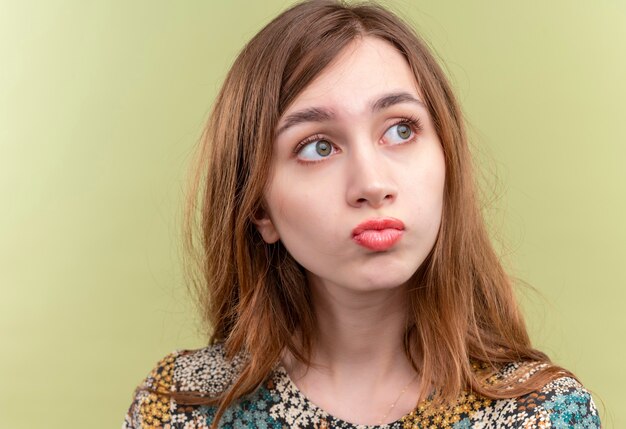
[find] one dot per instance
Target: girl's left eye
(399, 133)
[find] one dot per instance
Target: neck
(359, 334)
(358, 363)
(359, 328)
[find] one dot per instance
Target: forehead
(366, 68)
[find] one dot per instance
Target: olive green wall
(101, 104)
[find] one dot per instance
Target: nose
(370, 180)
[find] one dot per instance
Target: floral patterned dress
(278, 404)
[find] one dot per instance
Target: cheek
(295, 210)
(427, 190)
(305, 217)
(299, 195)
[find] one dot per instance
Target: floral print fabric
(278, 404)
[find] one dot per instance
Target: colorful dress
(278, 404)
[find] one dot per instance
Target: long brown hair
(253, 296)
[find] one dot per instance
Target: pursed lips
(378, 234)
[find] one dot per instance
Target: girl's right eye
(314, 150)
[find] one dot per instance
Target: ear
(265, 226)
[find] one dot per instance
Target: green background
(101, 104)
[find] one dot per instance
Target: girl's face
(356, 187)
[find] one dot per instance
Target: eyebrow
(321, 114)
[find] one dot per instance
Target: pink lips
(378, 234)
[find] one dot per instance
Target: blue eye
(399, 133)
(315, 150)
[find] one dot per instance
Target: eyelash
(414, 123)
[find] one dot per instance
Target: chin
(388, 274)
(380, 280)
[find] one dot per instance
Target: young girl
(348, 280)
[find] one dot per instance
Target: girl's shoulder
(204, 372)
(561, 403)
